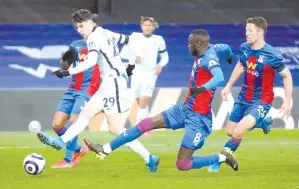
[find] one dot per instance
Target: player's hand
(197, 90)
(69, 56)
(158, 69)
(138, 59)
(130, 69)
(64, 65)
(229, 59)
(61, 73)
(224, 93)
(286, 109)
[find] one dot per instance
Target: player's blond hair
(151, 19)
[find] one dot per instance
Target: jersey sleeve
(133, 49)
(241, 53)
(162, 45)
(211, 63)
(93, 44)
(118, 38)
(277, 62)
(223, 50)
(72, 46)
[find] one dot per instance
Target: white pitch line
(167, 145)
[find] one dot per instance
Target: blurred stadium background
(34, 33)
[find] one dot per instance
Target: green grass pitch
(266, 162)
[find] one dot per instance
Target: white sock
(222, 157)
(138, 148)
(142, 114)
(107, 148)
(75, 129)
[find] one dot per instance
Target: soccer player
(82, 87)
(258, 61)
(146, 47)
(224, 51)
(194, 114)
(112, 96)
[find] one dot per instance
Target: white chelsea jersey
(106, 43)
(148, 49)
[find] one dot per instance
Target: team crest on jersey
(261, 59)
(83, 55)
(212, 63)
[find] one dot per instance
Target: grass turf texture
(266, 161)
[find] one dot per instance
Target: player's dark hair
(201, 32)
(82, 16)
(94, 18)
(259, 22)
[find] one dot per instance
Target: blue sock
(202, 161)
(61, 131)
(233, 144)
(71, 147)
(127, 136)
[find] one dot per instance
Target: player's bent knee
(238, 133)
(58, 124)
(229, 133)
(115, 130)
(143, 101)
(145, 125)
(183, 165)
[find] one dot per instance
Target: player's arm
(92, 56)
(119, 38)
(213, 82)
(134, 53)
(284, 72)
(224, 50)
(164, 58)
(238, 71)
(68, 58)
(66, 61)
(287, 82)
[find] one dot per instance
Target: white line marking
(168, 145)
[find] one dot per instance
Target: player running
(258, 61)
(194, 114)
(112, 96)
(146, 47)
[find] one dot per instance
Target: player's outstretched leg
(123, 138)
(186, 162)
(129, 135)
(142, 114)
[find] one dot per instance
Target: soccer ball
(34, 164)
(34, 126)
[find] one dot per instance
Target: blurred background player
(146, 47)
(194, 114)
(258, 61)
(112, 96)
(83, 85)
